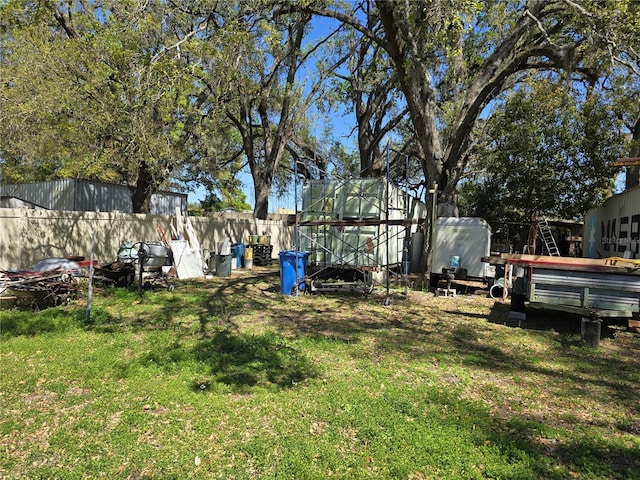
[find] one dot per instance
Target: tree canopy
(112, 91)
(149, 93)
(545, 151)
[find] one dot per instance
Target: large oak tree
(108, 91)
(452, 58)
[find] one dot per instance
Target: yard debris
(49, 264)
(39, 289)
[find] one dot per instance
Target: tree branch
(186, 38)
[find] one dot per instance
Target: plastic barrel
(241, 250)
(237, 250)
(223, 265)
(290, 263)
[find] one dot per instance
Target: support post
(91, 271)
(297, 239)
(434, 215)
(591, 329)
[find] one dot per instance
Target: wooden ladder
(547, 238)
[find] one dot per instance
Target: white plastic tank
(464, 241)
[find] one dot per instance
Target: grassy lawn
(227, 378)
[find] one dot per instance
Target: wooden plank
(193, 241)
(179, 223)
(586, 312)
(611, 264)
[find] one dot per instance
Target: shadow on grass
(590, 369)
(603, 459)
(238, 360)
(554, 459)
(235, 296)
(15, 323)
(242, 361)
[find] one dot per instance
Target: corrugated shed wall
(52, 195)
(85, 196)
(613, 230)
(165, 203)
(102, 197)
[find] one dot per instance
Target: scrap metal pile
(39, 289)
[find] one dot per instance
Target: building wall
(613, 230)
(28, 235)
(468, 239)
(102, 197)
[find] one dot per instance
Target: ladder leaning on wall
(547, 238)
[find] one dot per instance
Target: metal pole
(407, 231)
(295, 200)
(90, 287)
(297, 240)
(388, 299)
(434, 215)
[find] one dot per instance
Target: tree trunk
(261, 190)
(370, 159)
(633, 172)
(142, 191)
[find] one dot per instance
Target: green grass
(227, 378)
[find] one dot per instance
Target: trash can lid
(293, 253)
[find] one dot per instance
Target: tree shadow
(272, 360)
(587, 373)
(553, 458)
(242, 361)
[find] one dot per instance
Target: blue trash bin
(290, 263)
(237, 251)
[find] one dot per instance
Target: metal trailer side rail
(598, 294)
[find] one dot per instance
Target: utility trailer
(355, 230)
(595, 289)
